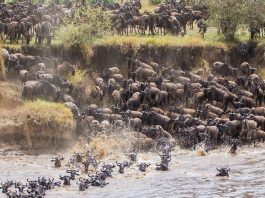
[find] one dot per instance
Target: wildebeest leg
(191, 24)
(184, 28)
(225, 104)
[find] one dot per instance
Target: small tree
(228, 14)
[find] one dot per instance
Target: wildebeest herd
(169, 17)
(163, 104)
(23, 20)
(37, 188)
(171, 103)
(156, 101)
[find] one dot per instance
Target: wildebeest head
(162, 166)
(57, 161)
(223, 172)
(5, 185)
(132, 156)
(83, 184)
(122, 166)
(143, 166)
(73, 173)
(66, 180)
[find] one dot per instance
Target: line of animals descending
(23, 20)
(155, 101)
(80, 164)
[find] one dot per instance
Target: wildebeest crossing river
(190, 175)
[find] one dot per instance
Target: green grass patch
(191, 39)
(49, 113)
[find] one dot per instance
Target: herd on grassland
(24, 21)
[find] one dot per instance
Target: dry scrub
(44, 123)
(82, 83)
(112, 143)
(10, 95)
(78, 78)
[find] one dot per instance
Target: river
(190, 175)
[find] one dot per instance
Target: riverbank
(108, 52)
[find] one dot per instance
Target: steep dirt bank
(32, 124)
(197, 58)
(184, 57)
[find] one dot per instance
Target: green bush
(84, 28)
(155, 2)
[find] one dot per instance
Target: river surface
(190, 175)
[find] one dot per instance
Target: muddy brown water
(190, 175)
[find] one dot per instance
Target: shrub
(84, 28)
(44, 123)
(10, 95)
(229, 15)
